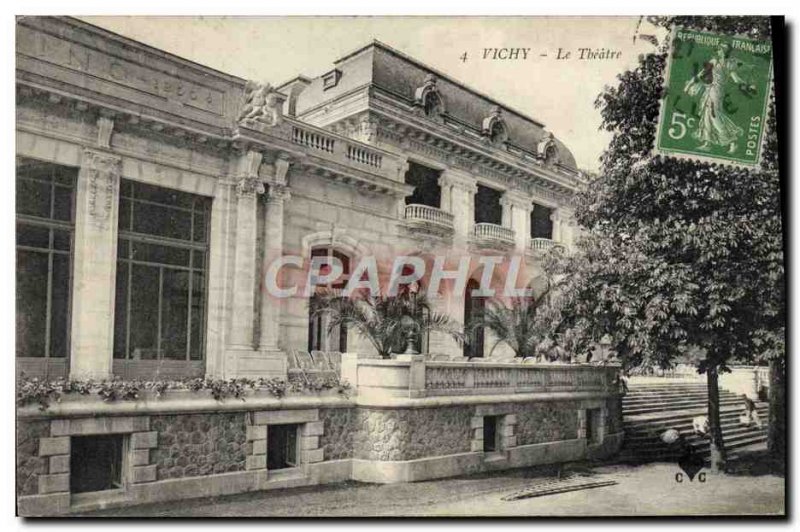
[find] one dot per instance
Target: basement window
(593, 426)
(490, 434)
(282, 446)
(96, 463)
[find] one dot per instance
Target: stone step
(661, 396)
(669, 416)
(700, 448)
(728, 426)
(730, 432)
(678, 405)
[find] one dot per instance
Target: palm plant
(390, 323)
(526, 325)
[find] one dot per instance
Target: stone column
(556, 217)
(244, 276)
(518, 206)
(271, 306)
(462, 190)
(95, 265)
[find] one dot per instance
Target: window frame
(127, 366)
(47, 365)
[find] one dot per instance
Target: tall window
(318, 337)
(487, 206)
(45, 226)
(426, 185)
(159, 323)
(541, 224)
(473, 311)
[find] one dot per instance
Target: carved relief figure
(261, 104)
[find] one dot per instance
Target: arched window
(473, 310)
(318, 337)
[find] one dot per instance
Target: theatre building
(152, 195)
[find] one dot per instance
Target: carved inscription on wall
(75, 56)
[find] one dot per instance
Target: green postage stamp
(717, 89)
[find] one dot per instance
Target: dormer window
(428, 99)
(331, 79)
(547, 150)
(494, 128)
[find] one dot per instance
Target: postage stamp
(717, 89)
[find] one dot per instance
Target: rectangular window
(425, 181)
(593, 425)
(487, 206)
(96, 463)
(541, 224)
(282, 446)
(161, 282)
(44, 234)
(490, 433)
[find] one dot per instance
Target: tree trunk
(716, 442)
(776, 429)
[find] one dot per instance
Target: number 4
(463, 57)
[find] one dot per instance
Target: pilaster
(95, 265)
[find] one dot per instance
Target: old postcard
(400, 266)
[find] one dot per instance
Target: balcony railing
(542, 244)
(413, 376)
(347, 151)
(493, 233)
(427, 215)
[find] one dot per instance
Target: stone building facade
(153, 194)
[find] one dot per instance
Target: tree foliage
(678, 254)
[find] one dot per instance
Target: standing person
(750, 416)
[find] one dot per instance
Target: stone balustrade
(424, 214)
(542, 244)
(347, 151)
(493, 233)
(414, 377)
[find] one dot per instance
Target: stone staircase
(650, 408)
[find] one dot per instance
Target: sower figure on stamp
(714, 125)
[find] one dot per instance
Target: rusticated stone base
(29, 464)
(199, 444)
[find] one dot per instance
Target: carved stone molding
(277, 193)
(101, 173)
(249, 186)
(462, 182)
(105, 126)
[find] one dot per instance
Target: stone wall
(614, 415)
(411, 433)
(337, 439)
(29, 464)
(546, 422)
(199, 444)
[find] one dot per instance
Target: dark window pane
(162, 221)
(160, 254)
(64, 175)
(174, 314)
(62, 240)
(200, 227)
(31, 308)
(33, 198)
(541, 224)
(164, 196)
(62, 204)
(124, 215)
(121, 311)
(487, 206)
(199, 260)
(144, 312)
(198, 316)
(33, 236)
(59, 314)
(426, 185)
(123, 248)
(125, 188)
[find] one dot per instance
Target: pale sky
(559, 93)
